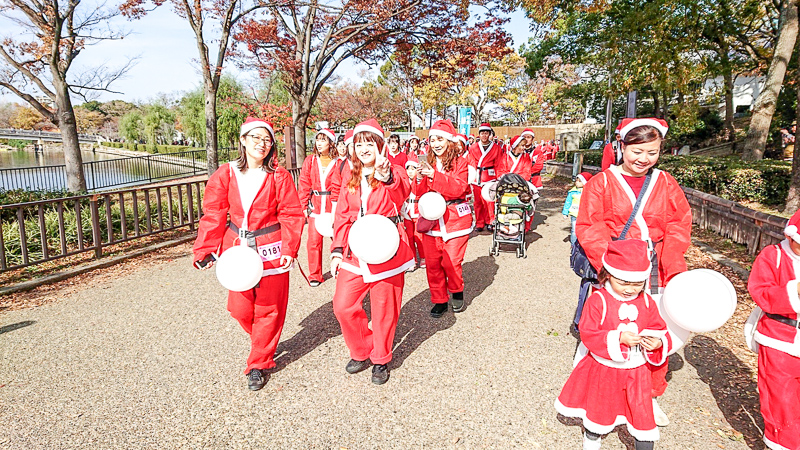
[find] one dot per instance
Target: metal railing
(46, 135)
(41, 231)
(117, 172)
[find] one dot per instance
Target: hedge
(149, 148)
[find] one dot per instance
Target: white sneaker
(661, 417)
(589, 444)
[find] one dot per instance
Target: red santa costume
(410, 215)
(485, 160)
(398, 158)
(446, 242)
(355, 278)
(664, 220)
(319, 188)
(259, 208)
(612, 152)
(537, 164)
(611, 384)
(773, 286)
(519, 164)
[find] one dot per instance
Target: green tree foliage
(131, 127)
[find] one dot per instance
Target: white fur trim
(794, 299)
(442, 133)
(483, 128)
(641, 122)
(277, 270)
(791, 231)
(373, 277)
(368, 129)
(462, 139)
(614, 347)
(336, 255)
(248, 127)
(629, 276)
(642, 435)
(774, 445)
(791, 348)
(349, 140)
(580, 177)
(327, 133)
(664, 353)
(528, 132)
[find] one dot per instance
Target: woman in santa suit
(261, 201)
(319, 188)
(664, 219)
(374, 187)
(516, 160)
(445, 242)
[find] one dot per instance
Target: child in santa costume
(445, 240)
(319, 188)
(621, 332)
(374, 187)
(411, 214)
(612, 152)
(485, 155)
(253, 201)
(664, 219)
(774, 285)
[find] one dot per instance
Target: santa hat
(414, 137)
(443, 128)
(791, 230)
(584, 177)
(629, 124)
(348, 137)
(369, 126)
(528, 131)
(515, 141)
(251, 123)
(327, 132)
(619, 127)
(485, 127)
(412, 163)
(472, 136)
(462, 138)
(627, 260)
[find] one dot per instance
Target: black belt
(321, 192)
(782, 319)
(251, 236)
(456, 201)
(485, 168)
(536, 174)
(416, 200)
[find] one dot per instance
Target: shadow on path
(416, 324)
(732, 384)
(318, 327)
(16, 326)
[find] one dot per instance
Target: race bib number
(463, 209)
(491, 172)
(270, 252)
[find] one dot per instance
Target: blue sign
(464, 119)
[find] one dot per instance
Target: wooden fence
(729, 219)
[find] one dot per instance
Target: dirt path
(149, 358)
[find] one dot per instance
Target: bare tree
(39, 68)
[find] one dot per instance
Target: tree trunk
(66, 122)
(728, 130)
(656, 105)
(793, 197)
(764, 108)
(299, 120)
(210, 92)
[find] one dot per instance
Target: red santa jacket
(276, 203)
(607, 315)
(611, 155)
(512, 164)
(664, 218)
(386, 199)
(773, 286)
(319, 185)
(399, 159)
(485, 163)
(537, 164)
(452, 185)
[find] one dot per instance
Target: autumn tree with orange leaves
(38, 61)
(307, 41)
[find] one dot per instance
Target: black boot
(438, 310)
(256, 379)
(380, 374)
(355, 366)
(457, 299)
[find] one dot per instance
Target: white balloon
(324, 224)
(374, 239)
(432, 205)
(489, 191)
(678, 335)
(239, 268)
(699, 300)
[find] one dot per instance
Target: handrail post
(98, 246)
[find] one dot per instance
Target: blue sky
(166, 49)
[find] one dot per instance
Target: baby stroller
(510, 212)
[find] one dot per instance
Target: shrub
(19, 143)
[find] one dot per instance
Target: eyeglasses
(258, 139)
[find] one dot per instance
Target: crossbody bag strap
(637, 205)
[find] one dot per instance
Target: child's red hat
(627, 260)
(791, 230)
(584, 177)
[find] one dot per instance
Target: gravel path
(153, 360)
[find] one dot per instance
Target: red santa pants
(414, 238)
(443, 268)
(779, 391)
(261, 312)
(484, 211)
(314, 249)
(385, 299)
